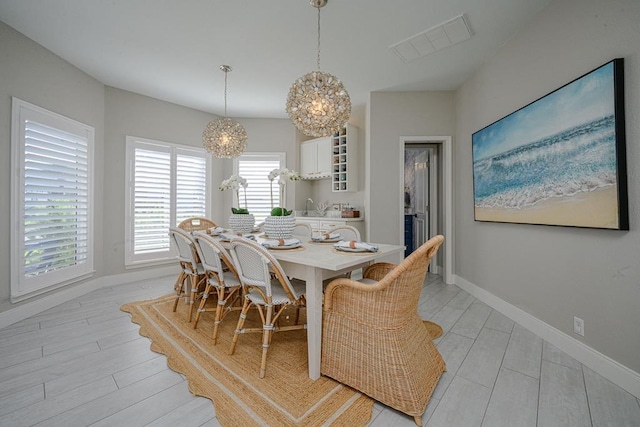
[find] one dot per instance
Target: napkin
(356, 245)
(280, 242)
(230, 235)
(215, 231)
(326, 236)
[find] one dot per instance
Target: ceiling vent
(435, 38)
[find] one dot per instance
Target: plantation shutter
(152, 200)
(166, 183)
(51, 202)
(191, 186)
(255, 168)
(56, 199)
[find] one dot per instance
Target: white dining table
(315, 262)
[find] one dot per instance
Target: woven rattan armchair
(373, 339)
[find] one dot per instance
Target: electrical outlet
(578, 326)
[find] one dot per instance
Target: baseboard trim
(23, 311)
(615, 372)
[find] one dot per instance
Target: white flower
(234, 182)
(284, 174)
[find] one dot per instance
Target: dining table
(314, 262)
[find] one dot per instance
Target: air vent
(435, 38)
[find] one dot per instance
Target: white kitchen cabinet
(315, 158)
(325, 224)
(344, 159)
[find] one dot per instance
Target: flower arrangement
(234, 182)
(283, 176)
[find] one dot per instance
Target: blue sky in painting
(581, 101)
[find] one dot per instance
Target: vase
(242, 223)
(279, 227)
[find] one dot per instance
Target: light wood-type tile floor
(83, 363)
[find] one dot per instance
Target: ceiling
(172, 49)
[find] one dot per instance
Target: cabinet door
(308, 158)
(323, 157)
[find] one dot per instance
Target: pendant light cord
(225, 92)
(318, 38)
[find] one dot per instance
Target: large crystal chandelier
(225, 138)
(318, 103)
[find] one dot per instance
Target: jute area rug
(285, 397)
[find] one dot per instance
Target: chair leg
(192, 298)
(178, 288)
(267, 332)
(243, 316)
(219, 307)
(418, 420)
(203, 301)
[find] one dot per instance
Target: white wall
(128, 113)
(392, 115)
(32, 73)
(556, 273)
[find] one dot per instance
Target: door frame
(446, 163)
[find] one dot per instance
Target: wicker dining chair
(270, 296)
(197, 224)
(221, 275)
(192, 272)
(373, 338)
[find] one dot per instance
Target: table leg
(314, 319)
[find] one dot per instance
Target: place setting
(326, 238)
(283, 244)
(354, 247)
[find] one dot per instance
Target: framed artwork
(560, 160)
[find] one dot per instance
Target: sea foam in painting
(579, 159)
(555, 148)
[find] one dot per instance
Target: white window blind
(52, 200)
(255, 168)
(166, 183)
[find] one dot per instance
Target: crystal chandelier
(318, 103)
(225, 138)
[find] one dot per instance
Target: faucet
(306, 207)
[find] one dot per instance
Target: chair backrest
(197, 224)
(394, 297)
(255, 265)
(184, 243)
(213, 256)
(302, 229)
(347, 232)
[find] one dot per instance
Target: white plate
(347, 249)
(295, 245)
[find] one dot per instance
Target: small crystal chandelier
(318, 103)
(225, 138)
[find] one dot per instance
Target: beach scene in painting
(554, 161)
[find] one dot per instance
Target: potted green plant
(281, 222)
(240, 221)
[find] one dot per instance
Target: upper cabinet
(344, 159)
(315, 158)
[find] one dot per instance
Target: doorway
(443, 150)
(421, 195)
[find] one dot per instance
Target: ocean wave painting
(556, 161)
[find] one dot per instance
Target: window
(255, 168)
(52, 200)
(166, 183)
